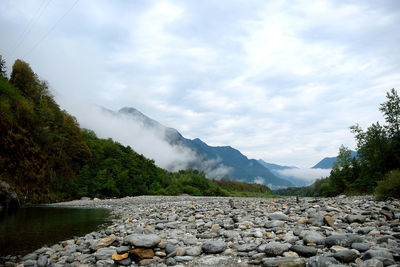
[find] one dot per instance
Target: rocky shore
(213, 231)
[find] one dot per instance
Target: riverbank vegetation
(45, 156)
(376, 167)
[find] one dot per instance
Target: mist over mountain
(220, 162)
(278, 170)
(327, 163)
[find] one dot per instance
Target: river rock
(275, 248)
(247, 247)
(372, 263)
(305, 251)
(104, 254)
(142, 253)
(141, 240)
(355, 218)
(284, 262)
(279, 216)
(213, 246)
(342, 240)
(346, 255)
(313, 237)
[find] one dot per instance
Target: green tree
(3, 68)
(391, 112)
(23, 78)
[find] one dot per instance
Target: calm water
(30, 228)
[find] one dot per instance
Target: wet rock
(346, 255)
(213, 246)
(305, 251)
(342, 240)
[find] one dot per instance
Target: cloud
(278, 80)
(259, 180)
(309, 175)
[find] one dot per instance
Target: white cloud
(309, 175)
(278, 80)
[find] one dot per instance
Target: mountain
(222, 162)
(327, 163)
(278, 170)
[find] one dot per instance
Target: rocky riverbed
(214, 231)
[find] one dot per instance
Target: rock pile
(210, 231)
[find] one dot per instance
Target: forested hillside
(45, 156)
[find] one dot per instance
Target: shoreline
(227, 231)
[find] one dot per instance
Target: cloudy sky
(278, 80)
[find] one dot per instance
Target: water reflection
(29, 228)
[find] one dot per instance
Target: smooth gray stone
(284, 261)
(170, 248)
(30, 256)
(141, 240)
(313, 237)
(322, 261)
(125, 262)
(247, 247)
(372, 263)
(214, 261)
(346, 255)
(122, 249)
(275, 248)
(342, 240)
(274, 224)
(170, 261)
(305, 251)
(30, 263)
(279, 216)
(42, 261)
(377, 253)
(184, 258)
(360, 246)
(193, 251)
(104, 254)
(213, 246)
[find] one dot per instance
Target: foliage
(3, 69)
(389, 187)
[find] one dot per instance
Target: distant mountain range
(240, 168)
(327, 163)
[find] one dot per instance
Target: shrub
(389, 187)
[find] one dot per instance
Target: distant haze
(278, 80)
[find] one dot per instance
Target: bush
(389, 187)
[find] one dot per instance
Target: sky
(280, 81)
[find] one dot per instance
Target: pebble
(217, 231)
